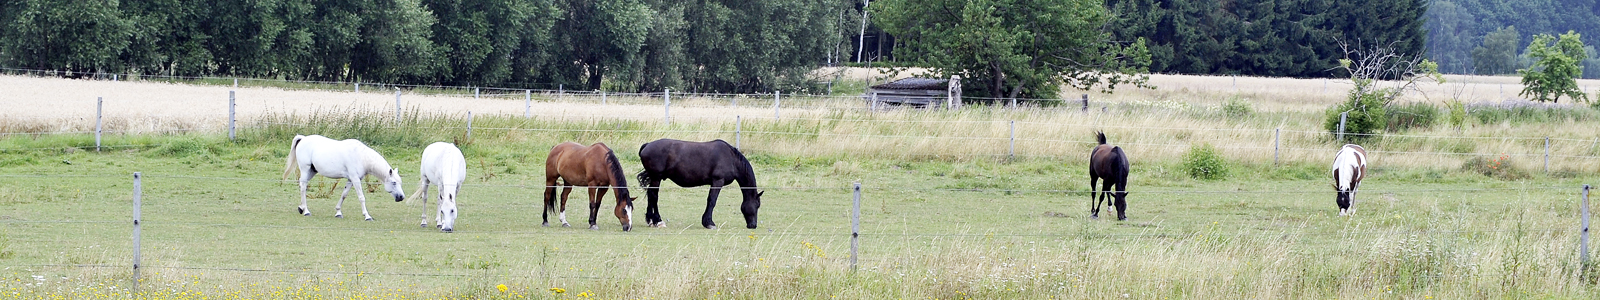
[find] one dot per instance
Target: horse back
(1109, 162)
(692, 163)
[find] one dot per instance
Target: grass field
(945, 213)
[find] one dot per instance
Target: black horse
(1108, 162)
(692, 164)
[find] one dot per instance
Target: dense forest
(703, 45)
(1491, 36)
(723, 45)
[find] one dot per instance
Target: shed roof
(915, 84)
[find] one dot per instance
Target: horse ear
(759, 193)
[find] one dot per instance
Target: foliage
(1403, 117)
(1555, 71)
(1366, 104)
(1500, 167)
(1456, 29)
(1203, 162)
(1529, 112)
(1013, 48)
(649, 45)
(1296, 38)
(1498, 54)
(1458, 113)
(1236, 108)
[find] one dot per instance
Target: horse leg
(305, 177)
(549, 199)
(566, 189)
(596, 194)
(652, 216)
(1094, 198)
(422, 191)
(361, 195)
(338, 209)
(711, 204)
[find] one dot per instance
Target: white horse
(347, 159)
(1349, 167)
(444, 166)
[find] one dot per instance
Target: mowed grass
(218, 223)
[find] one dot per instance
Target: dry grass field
(979, 203)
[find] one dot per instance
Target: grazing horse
(347, 159)
(1349, 167)
(443, 166)
(1109, 163)
(692, 164)
(593, 166)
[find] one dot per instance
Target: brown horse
(1109, 163)
(595, 167)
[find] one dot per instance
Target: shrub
(1203, 162)
(1499, 167)
(1410, 116)
(1366, 115)
(1458, 113)
(1235, 108)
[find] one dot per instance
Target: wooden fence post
(667, 106)
(776, 97)
(527, 103)
(1085, 103)
(855, 227)
(1583, 233)
(1547, 154)
(138, 193)
(99, 112)
(469, 125)
(738, 130)
(232, 121)
(1012, 153)
(1341, 124)
(1275, 133)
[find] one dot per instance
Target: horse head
(392, 184)
(749, 208)
(624, 213)
(447, 208)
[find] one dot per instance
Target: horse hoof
(594, 227)
(424, 225)
(566, 225)
(436, 226)
(1122, 219)
(369, 218)
(447, 230)
(546, 224)
(712, 227)
(339, 216)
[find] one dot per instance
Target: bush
(1516, 112)
(1458, 113)
(1204, 163)
(1498, 167)
(1236, 108)
(1410, 116)
(1366, 117)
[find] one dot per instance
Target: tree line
(627, 45)
(1492, 37)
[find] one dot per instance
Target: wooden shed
(916, 92)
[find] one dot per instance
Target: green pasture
(219, 223)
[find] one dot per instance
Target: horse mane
(620, 180)
(744, 165)
(1100, 136)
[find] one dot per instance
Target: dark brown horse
(595, 167)
(1109, 163)
(692, 164)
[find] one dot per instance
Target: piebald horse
(443, 166)
(1349, 167)
(593, 166)
(1109, 163)
(346, 159)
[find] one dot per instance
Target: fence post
(99, 108)
(667, 106)
(561, 89)
(358, 87)
(1275, 133)
(1341, 124)
(138, 192)
(1086, 103)
(469, 125)
(236, 83)
(232, 122)
(602, 97)
(527, 103)
(1547, 154)
(397, 106)
(1583, 233)
(874, 105)
(775, 99)
(1012, 153)
(855, 227)
(475, 93)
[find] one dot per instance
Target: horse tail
(1100, 136)
(644, 175)
(292, 161)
